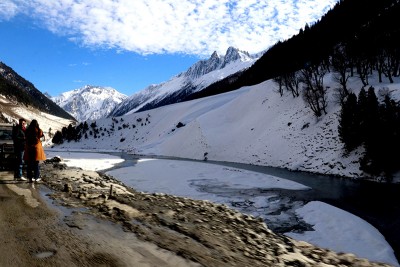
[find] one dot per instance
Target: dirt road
(34, 232)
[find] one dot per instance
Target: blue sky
(65, 44)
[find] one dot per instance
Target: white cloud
(175, 26)
(8, 9)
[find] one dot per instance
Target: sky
(128, 45)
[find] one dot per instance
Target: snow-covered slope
(250, 125)
(196, 78)
(89, 102)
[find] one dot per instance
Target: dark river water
(376, 203)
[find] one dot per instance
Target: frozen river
(301, 205)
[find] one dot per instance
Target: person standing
(34, 150)
(19, 148)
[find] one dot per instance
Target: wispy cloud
(80, 64)
(172, 26)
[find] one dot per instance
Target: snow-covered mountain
(252, 125)
(196, 78)
(89, 102)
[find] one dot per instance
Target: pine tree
(370, 128)
(58, 138)
(371, 118)
(349, 124)
(387, 159)
(362, 111)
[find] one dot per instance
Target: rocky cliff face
(216, 62)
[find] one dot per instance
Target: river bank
(200, 232)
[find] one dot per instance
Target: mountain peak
(89, 102)
(214, 55)
(233, 54)
(216, 62)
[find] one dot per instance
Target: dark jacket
(19, 138)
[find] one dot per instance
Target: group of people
(28, 147)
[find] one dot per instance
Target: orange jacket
(33, 149)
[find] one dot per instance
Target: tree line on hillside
(364, 121)
(346, 60)
(85, 130)
(373, 46)
(13, 92)
(375, 49)
(76, 132)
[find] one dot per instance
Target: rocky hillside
(18, 90)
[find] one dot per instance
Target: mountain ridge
(180, 87)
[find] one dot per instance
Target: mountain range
(179, 88)
(94, 102)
